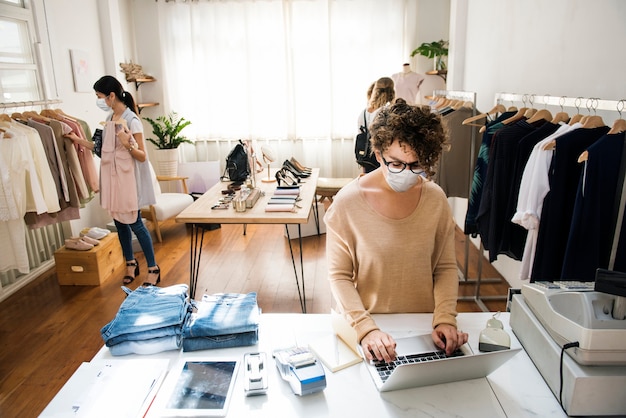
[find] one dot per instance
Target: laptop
(422, 363)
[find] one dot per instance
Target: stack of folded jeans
(222, 320)
(150, 320)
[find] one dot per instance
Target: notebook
(426, 364)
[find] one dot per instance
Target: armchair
(167, 205)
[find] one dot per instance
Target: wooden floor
(47, 330)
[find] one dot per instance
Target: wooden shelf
(441, 73)
(139, 82)
(141, 106)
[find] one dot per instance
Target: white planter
(167, 161)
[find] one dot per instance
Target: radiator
(41, 243)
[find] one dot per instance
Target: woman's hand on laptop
(448, 338)
(378, 345)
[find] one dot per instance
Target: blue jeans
(143, 236)
(152, 346)
(223, 313)
(148, 309)
(220, 341)
(223, 320)
(173, 330)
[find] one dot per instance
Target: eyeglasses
(398, 166)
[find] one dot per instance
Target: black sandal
(129, 279)
(154, 270)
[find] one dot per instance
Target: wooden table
(199, 214)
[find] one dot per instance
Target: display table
(199, 213)
(516, 389)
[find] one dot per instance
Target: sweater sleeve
(340, 255)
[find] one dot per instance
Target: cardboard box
(92, 267)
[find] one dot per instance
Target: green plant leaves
(432, 49)
(167, 130)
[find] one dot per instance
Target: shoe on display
(77, 244)
(95, 232)
(90, 240)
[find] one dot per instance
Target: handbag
(97, 142)
(363, 151)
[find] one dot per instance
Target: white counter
(516, 389)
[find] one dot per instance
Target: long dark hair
(107, 84)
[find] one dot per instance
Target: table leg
(197, 233)
(316, 215)
(301, 295)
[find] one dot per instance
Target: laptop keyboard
(384, 369)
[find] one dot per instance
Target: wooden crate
(92, 267)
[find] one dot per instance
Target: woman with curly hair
(390, 235)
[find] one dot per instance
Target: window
(19, 74)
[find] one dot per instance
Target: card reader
(301, 369)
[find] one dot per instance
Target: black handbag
(362, 149)
(97, 142)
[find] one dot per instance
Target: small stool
(328, 187)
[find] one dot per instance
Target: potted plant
(434, 50)
(167, 129)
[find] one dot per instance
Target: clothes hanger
(560, 116)
(620, 124)
(577, 117)
(61, 112)
(51, 114)
(18, 117)
(540, 114)
(498, 108)
(592, 121)
(34, 115)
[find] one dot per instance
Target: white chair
(167, 205)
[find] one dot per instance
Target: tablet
(199, 387)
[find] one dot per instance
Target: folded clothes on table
(222, 320)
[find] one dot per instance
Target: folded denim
(147, 309)
(223, 314)
(221, 341)
(153, 346)
(173, 330)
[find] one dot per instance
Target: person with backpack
(380, 94)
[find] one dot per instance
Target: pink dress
(118, 192)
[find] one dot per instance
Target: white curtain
(279, 70)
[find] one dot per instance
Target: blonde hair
(383, 93)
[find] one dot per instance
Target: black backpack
(362, 150)
(237, 165)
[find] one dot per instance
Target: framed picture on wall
(80, 71)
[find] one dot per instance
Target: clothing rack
(34, 103)
(470, 96)
(41, 243)
(592, 104)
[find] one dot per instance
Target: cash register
(575, 334)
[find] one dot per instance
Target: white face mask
(101, 103)
(402, 181)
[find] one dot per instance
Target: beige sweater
(382, 265)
